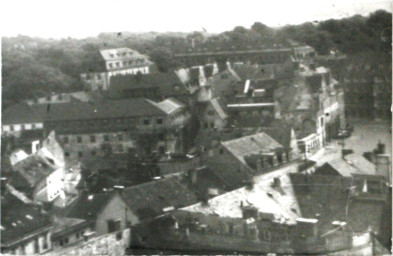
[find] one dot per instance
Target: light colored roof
(252, 144)
(343, 167)
(217, 107)
(120, 54)
(363, 165)
(281, 202)
(169, 105)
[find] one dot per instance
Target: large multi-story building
(112, 62)
(116, 126)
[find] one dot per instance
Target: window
(159, 121)
(146, 121)
(48, 98)
(124, 63)
(206, 125)
(77, 235)
(110, 65)
(93, 153)
(212, 125)
(65, 140)
(161, 136)
(80, 154)
(79, 139)
(36, 246)
(106, 137)
(67, 154)
(45, 245)
(92, 138)
(33, 126)
(113, 225)
(60, 97)
(221, 151)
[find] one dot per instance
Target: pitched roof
(279, 200)
(255, 72)
(168, 84)
(150, 199)
(104, 109)
(120, 54)
(328, 198)
(35, 168)
(346, 167)
(19, 220)
(281, 134)
(252, 144)
(217, 107)
(362, 164)
(24, 113)
(169, 105)
(89, 206)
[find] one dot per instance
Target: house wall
(53, 146)
(210, 119)
(110, 244)
(70, 239)
(11, 128)
(41, 241)
(115, 209)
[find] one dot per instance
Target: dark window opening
(146, 121)
(79, 139)
(92, 138)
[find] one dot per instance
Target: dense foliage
(32, 66)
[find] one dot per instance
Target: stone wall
(109, 244)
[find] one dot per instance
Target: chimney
(382, 166)
(381, 148)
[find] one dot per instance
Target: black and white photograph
(177, 127)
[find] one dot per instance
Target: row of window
(119, 148)
(23, 127)
(126, 63)
(92, 138)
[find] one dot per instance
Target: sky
(84, 18)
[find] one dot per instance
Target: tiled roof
(34, 168)
(346, 167)
(150, 199)
(89, 206)
(327, 198)
(280, 201)
(103, 109)
(252, 144)
(19, 220)
(24, 113)
(168, 83)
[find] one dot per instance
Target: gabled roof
(104, 109)
(23, 113)
(89, 206)
(252, 144)
(35, 168)
(149, 200)
(19, 220)
(362, 164)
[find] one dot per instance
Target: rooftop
(278, 200)
(104, 109)
(23, 113)
(19, 220)
(252, 144)
(89, 206)
(151, 199)
(120, 54)
(35, 168)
